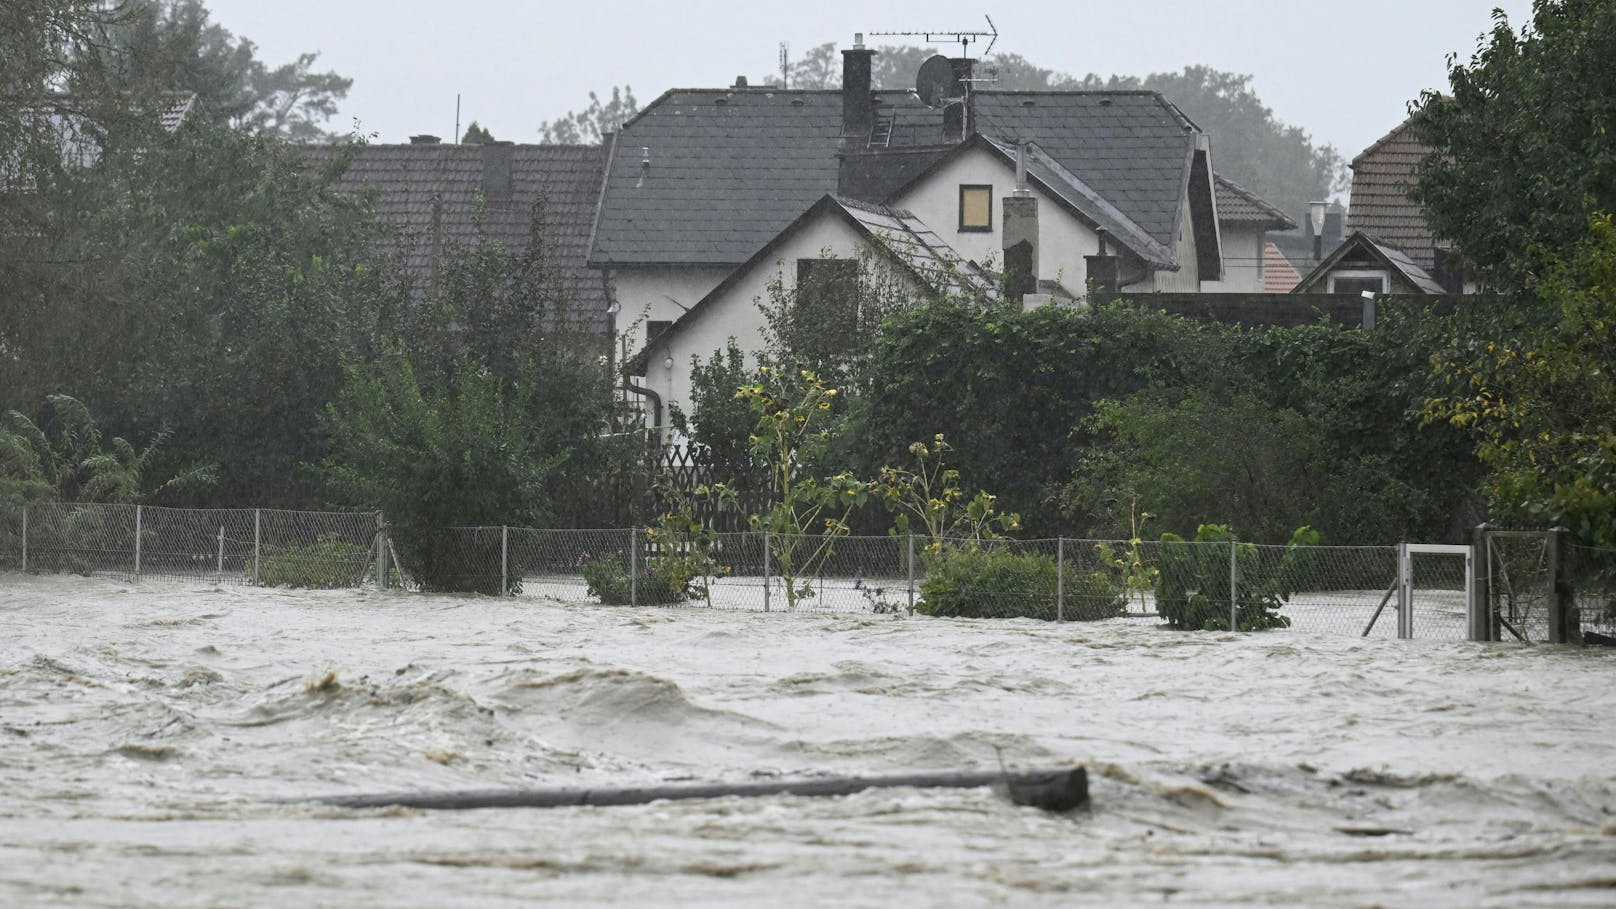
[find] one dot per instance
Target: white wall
(736, 315)
(659, 292)
(1063, 241)
(1242, 261)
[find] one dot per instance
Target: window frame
(970, 228)
(1360, 274)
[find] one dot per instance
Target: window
(1356, 281)
(976, 207)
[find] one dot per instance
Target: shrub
(659, 585)
(1192, 589)
(1001, 583)
(329, 563)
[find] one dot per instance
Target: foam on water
(146, 730)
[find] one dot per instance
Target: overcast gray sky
(1343, 71)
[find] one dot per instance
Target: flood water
(149, 731)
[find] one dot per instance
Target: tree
(476, 134)
(214, 283)
(589, 125)
(1539, 394)
(176, 42)
(1523, 143)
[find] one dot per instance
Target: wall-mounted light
(667, 363)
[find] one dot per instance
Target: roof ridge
(1376, 145)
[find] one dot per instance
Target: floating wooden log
(1057, 789)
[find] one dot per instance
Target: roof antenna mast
(964, 38)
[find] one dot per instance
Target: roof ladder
(881, 131)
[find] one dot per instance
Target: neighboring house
(58, 120)
(1279, 276)
(1365, 264)
(833, 233)
(437, 194)
(1387, 230)
(1244, 221)
(1113, 190)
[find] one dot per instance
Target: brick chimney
(858, 101)
(496, 183)
(1020, 234)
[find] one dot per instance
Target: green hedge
(1002, 583)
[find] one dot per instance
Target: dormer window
(975, 208)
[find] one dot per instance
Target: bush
(1192, 589)
(330, 563)
(659, 585)
(1001, 583)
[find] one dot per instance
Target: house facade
(1119, 184)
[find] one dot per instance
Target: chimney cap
(858, 40)
(740, 81)
(425, 139)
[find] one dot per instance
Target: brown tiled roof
(418, 183)
(1380, 203)
(1278, 275)
(1237, 205)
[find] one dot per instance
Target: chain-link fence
(1591, 577)
(1512, 586)
(221, 546)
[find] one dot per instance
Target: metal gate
(1438, 601)
(1524, 594)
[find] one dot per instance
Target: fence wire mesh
(1198, 585)
(1591, 574)
(221, 546)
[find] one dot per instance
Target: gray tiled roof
(919, 247)
(730, 169)
(1237, 205)
(1063, 183)
(413, 184)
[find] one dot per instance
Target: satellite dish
(936, 82)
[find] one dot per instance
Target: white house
(1117, 194)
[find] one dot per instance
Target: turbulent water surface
(148, 731)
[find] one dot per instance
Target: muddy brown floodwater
(147, 730)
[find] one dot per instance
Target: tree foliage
(176, 43)
(589, 125)
(1523, 143)
(64, 456)
(1539, 396)
(475, 133)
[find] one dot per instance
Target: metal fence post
(25, 539)
(382, 548)
(504, 559)
(1060, 579)
(137, 542)
(911, 568)
(1559, 606)
(257, 539)
(1234, 585)
(633, 568)
(1478, 612)
(218, 571)
(765, 571)
(1405, 599)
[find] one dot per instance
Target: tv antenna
(785, 65)
(950, 36)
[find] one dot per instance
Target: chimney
(740, 82)
(424, 139)
(497, 171)
(1020, 234)
(959, 118)
(858, 103)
